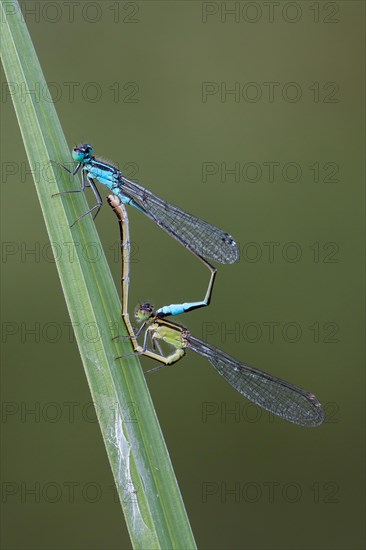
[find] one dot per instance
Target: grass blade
(145, 481)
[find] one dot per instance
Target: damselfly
(204, 240)
(273, 394)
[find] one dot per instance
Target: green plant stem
(144, 477)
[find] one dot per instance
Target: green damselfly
(272, 394)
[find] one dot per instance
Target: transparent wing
(200, 237)
(270, 393)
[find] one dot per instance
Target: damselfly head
(144, 311)
(82, 152)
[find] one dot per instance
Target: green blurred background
(132, 79)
